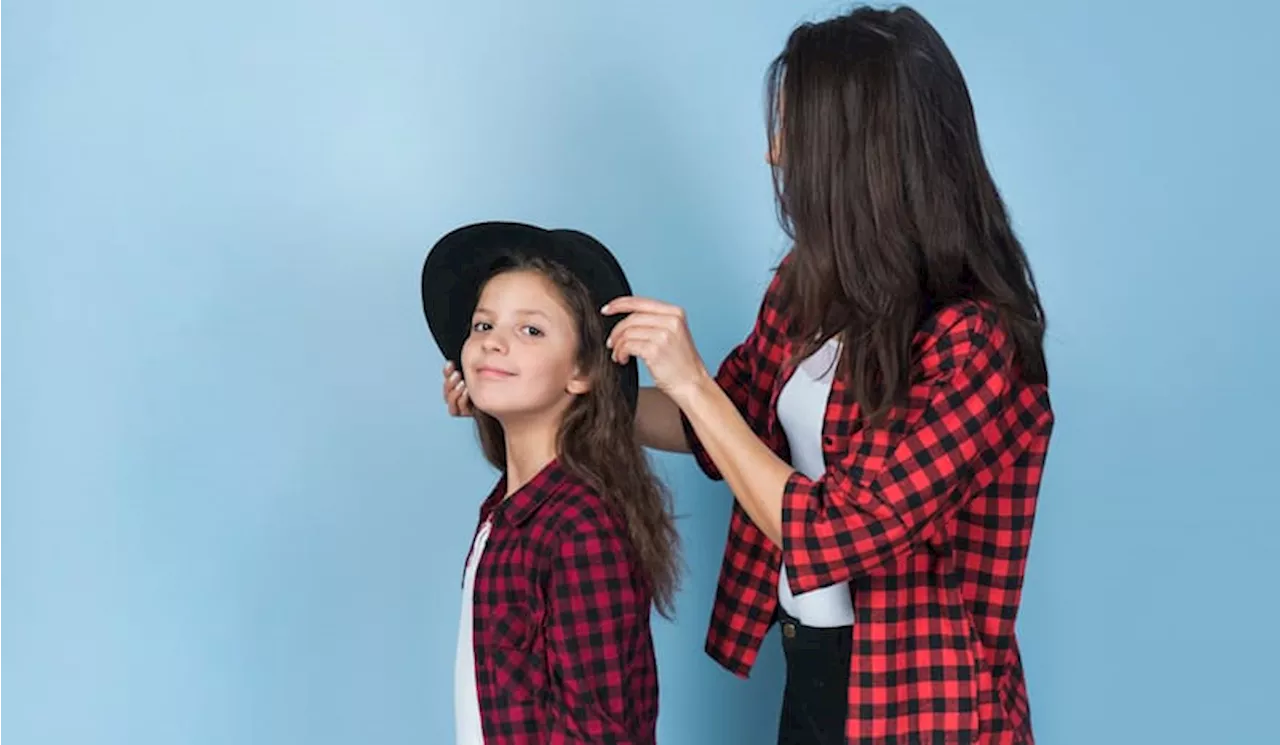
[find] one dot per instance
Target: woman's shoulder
(959, 329)
(963, 316)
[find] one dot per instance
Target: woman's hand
(656, 332)
(455, 392)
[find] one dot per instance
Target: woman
(884, 425)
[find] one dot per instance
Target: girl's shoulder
(578, 517)
(579, 507)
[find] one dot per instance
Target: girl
(884, 425)
(576, 540)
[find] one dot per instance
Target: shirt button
(789, 630)
(828, 441)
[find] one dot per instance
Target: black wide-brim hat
(461, 262)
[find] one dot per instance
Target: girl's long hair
(882, 185)
(597, 442)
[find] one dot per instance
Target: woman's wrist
(696, 393)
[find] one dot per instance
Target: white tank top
(802, 407)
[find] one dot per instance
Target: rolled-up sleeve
(851, 521)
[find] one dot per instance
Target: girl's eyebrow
(519, 312)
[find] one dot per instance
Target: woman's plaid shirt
(928, 517)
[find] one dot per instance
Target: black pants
(816, 701)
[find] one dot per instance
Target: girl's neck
(530, 448)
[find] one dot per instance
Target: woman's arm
(658, 423)
(753, 472)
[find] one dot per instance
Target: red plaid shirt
(563, 650)
(928, 517)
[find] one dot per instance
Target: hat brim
(458, 265)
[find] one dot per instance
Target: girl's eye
(481, 326)
(533, 331)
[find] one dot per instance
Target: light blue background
(236, 510)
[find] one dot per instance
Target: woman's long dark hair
(597, 442)
(882, 185)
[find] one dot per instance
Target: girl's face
(521, 360)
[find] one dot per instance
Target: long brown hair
(597, 442)
(882, 185)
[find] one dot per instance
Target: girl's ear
(578, 384)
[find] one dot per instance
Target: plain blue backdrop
(237, 510)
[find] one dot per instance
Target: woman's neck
(530, 447)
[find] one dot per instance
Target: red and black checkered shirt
(927, 516)
(563, 650)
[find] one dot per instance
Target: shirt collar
(521, 505)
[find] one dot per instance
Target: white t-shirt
(466, 701)
(802, 408)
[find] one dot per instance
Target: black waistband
(834, 638)
(785, 617)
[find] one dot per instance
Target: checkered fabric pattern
(561, 632)
(928, 516)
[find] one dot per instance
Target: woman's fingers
(651, 336)
(462, 406)
(455, 392)
(665, 322)
(635, 345)
(636, 304)
(448, 381)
